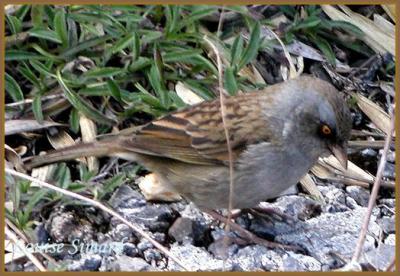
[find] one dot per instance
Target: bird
(276, 135)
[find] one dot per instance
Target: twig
(25, 239)
(21, 245)
(392, 265)
(220, 21)
(29, 101)
(102, 207)
(374, 194)
(228, 142)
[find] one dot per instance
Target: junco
(276, 134)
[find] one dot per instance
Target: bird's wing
(196, 135)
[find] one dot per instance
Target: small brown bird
(276, 135)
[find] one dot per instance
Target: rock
(144, 245)
(200, 227)
(381, 257)
(130, 250)
(67, 226)
(391, 240)
(90, 262)
(391, 156)
(298, 206)
(249, 258)
(387, 224)
(132, 205)
(160, 237)
(359, 194)
(368, 153)
(271, 261)
(126, 197)
(125, 263)
(121, 232)
(195, 259)
(331, 232)
(387, 206)
(389, 171)
(222, 250)
(152, 255)
(389, 203)
(181, 230)
(336, 200)
(351, 203)
(298, 262)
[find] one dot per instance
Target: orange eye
(326, 130)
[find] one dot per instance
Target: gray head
(325, 119)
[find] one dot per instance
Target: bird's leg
(269, 212)
(250, 237)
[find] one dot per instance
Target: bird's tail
(96, 149)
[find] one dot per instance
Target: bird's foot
(249, 236)
(270, 213)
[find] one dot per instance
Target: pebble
(359, 194)
(125, 263)
(182, 230)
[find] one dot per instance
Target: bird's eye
(325, 130)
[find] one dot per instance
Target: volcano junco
(276, 134)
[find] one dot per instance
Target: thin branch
(22, 236)
(374, 194)
(29, 101)
(220, 21)
(228, 142)
(21, 245)
(102, 207)
(392, 265)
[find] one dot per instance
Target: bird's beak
(340, 153)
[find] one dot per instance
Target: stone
(125, 263)
(389, 171)
(391, 239)
(351, 203)
(300, 207)
(87, 262)
(359, 194)
(298, 262)
(121, 232)
(130, 250)
(195, 259)
(144, 245)
(249, 258)
(133, 206)
(331, 232)
(381, 257)
(152, 255)
(181, 230)
(387, 224)
(66, 227)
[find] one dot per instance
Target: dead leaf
(18, 126)
(153, 190)
(187, 95)
(390, 9)
(376, 38)
(61, 140)
(375, 113)
(309, 185)
(89, 132)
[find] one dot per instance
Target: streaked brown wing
(196, 135)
